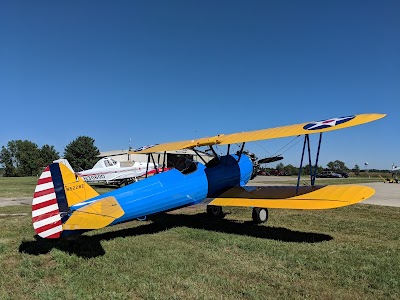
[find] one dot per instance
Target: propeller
(256, 162)
(270, 159)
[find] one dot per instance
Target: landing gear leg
(215, 211)
(260, 215)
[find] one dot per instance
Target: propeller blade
(270, 159)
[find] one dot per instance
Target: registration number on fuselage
(94, 177)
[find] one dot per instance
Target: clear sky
(160, 71)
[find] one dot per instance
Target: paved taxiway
(387, 194)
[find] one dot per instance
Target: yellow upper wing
(271, 133)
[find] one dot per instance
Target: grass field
(14, 187)
(347, 253)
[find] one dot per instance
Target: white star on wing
(331, 122)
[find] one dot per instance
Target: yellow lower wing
(318, 197)
(96, 215)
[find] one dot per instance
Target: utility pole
(129, 149)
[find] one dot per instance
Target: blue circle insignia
(327, 123)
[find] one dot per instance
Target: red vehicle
(278, 173)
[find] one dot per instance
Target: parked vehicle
(278, 173)
(263, 173)
(329, 174)
(343, 173)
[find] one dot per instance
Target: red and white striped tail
(45, 211)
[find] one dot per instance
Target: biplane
(394, 178)
(109, 171)
(64, 204)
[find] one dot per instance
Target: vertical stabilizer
(57, 189)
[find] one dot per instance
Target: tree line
(24, 158)
(335, 166)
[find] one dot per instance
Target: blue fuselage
(172, 189)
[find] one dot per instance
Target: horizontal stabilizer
(96, 215)
(308, 197)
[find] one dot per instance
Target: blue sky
(160, 71)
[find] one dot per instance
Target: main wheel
(215, 211)
(260, 215)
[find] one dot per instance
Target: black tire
(260, 215)
(215, 211)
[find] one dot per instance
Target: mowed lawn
(24, 187)
(347, 253)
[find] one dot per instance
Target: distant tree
(20, 158)
(280, 167)
(290, 169)
(337, 165)
(48, 154)
(28, 156)
(82, 153)
(306, 170)
(6, 159)
(356, 170)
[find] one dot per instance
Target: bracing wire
(280, 151)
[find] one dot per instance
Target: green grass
(11, 187)
(17, 187)
(347, 253)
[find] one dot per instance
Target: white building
(172, 157)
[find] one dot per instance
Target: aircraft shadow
(90, 246)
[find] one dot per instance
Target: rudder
(57, 189)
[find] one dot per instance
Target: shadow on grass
(90, 246)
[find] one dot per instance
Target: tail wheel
(260, 215)
(215, 211)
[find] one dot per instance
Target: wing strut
(147, 167)
(313, 170)
(241, 151)
(163, 163)
(309, 158)
(198, 155)
(215, 153)
(154, 163)
(316, 161)
(301, 164)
